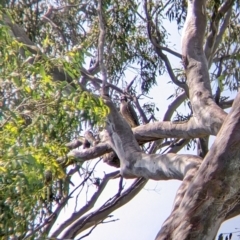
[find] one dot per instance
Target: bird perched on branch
(128, 113)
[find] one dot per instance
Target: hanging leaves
(39, 116)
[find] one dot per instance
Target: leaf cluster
(38, 116)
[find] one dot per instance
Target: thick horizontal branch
(158, 130)
(143, 133)
(135, 163)
(160, 167)
(84, 154)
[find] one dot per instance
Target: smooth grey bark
(213, 191)
(134, 162)
(195, 198)
(207, 196)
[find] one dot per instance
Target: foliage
(38, 117)
(47, 99)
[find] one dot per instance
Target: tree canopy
(63, 79)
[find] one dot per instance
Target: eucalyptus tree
(63, 72)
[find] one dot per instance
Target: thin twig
(152, 31)
(140, 110)
(220, 34)
(69, 196)
(92, 218)
(90, 231)
(217, 15)
(133, 8)
(87, 207)
(87, 74)
(101, 40)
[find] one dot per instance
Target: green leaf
(220, 82)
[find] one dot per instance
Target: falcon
(128, 113)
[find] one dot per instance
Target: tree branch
(174, 105)
(234, 56)
(176, 54)
(157, 130)
(140, 110)
(151, 28)
(226, 104)
(101, 47)
(220, 34)
(95, 80)
(209, 196)
(215, 36)
(143, 134)
(103, 212)
(76, 215)
(196, 67)
(171, 108)
(84, 155)
(135, 163)
(20, 36)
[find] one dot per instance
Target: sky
(142, 217)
